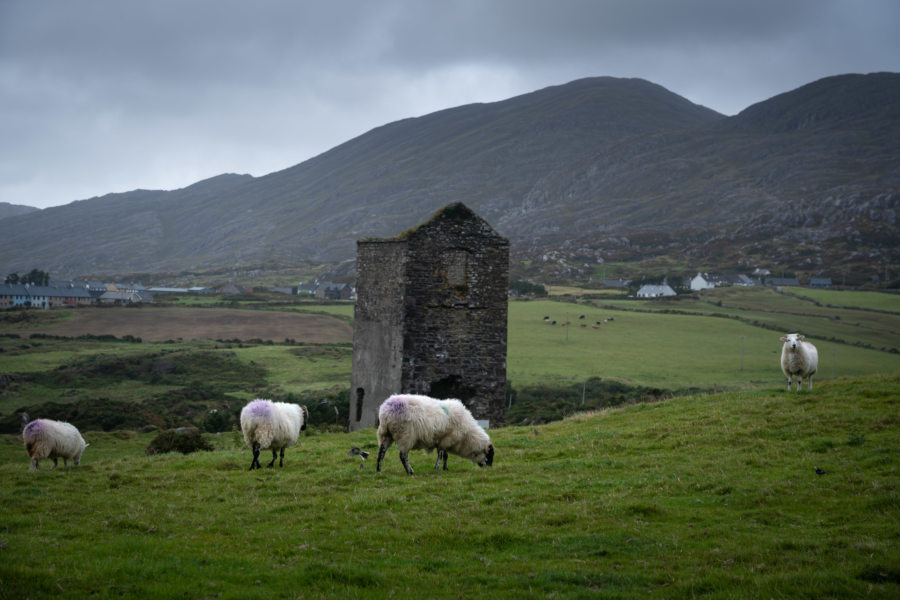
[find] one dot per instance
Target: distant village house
(655, 291)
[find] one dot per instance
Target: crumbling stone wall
(431, 316)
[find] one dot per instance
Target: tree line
(34, 277)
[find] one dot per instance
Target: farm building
(782, 282)
(702, 281)
(430, 316)
(655, 291)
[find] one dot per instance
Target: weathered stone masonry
(431, 315)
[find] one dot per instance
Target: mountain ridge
(599, 168)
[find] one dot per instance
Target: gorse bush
(545, 403)
(183, 440)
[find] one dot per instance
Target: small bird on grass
(362, 454)
(820, 471)
(355, 451)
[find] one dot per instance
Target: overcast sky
(100, 96)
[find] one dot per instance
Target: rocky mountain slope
(594, 170)
(12, 210)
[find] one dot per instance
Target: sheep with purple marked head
(272, 425)
(45, 438)
(798, 358)
(422, 423)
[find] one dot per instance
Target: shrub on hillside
(326, 409)
(217, 421)
(544, 403)
(184, 440)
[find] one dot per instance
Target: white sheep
(46, 438)
(272, 425)
(798, 358)
(422, 423)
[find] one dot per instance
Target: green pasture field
(190, 300)
(671, 351)
(343, 310)
(289, 368)
(556, 291)
(35, 356)
(866, 300)
(783, 312)
(706, 496)
(297, 369)
(646, 343)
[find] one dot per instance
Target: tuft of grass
(704, 495)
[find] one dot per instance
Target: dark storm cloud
(109, 95)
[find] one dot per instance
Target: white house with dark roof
(655, 291)
(701, 281)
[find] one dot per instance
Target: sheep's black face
(488, 457)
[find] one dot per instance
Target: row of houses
(52, 296)
(705, 281)
(326, 290)
(63, 294)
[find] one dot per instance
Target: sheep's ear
(784, 338)
(800, 336)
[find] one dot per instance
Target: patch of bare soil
(161, 324)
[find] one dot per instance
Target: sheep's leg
(381, 450)
(404, 458)
(281, 458)
(809, 381)
(441, 454)
(790, 382)
(274, 456)
(54, 463)
(255, 463)
(35, 464)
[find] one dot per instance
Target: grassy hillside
(700, 496)
(689, 343)
(724, 339)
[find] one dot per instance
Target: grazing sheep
(798, 358)
(423, 423)
(45, 438)
(272, 425)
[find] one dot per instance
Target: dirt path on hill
(161, 324)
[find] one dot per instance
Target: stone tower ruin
(430, 316)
